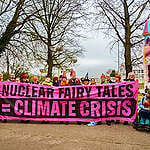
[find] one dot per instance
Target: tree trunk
(7, 61)
(49, 63)
(127, 44)
(10, 29)
(128, 64)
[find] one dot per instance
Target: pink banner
(21, 101)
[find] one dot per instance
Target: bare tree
(54, 31)
(123, 21)
(12, 21)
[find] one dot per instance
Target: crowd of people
(62, 80)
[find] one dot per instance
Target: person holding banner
(74, 81)
(23, 78)
(64, 81)
(47, 82)
(103, 81)
(131, 76)
(108, 78)
(86, 80)
(1, 77)
(12, 78)
(35, 80)
(144, 105)
(55, 81)
(93, 81)
(18, 79)
(117, 80)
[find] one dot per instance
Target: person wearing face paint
(144, 105)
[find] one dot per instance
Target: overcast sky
(97, 58)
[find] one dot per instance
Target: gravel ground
(37, 136)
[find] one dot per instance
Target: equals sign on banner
(5, 107)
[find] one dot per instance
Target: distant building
(138, 71)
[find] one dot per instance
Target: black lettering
(67, 93)
(113, 91)
(106, 91)
(15, 90)
(5, 90)
(121, 90)
(34, 91)
(50, 91)
(73, 92)
(27, 91)
(21, 87)
(41, 92)
(99, 90)
(60, 92)
(130, 94)
(88, 91)
(80, 91)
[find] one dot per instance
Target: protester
(35, 80)
(55, 81)
(23, 78)
(60, 79)
(108, 78)
(86, 80)
(144, 106)
(117, 80)
(47, 82)
(82, 79)
(18, 79)
(64, 81)
(1, 77)
(74, 80)
(12, 78)
(131, 76)
(93, 82)
(103, 79)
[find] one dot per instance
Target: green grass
(141, 85)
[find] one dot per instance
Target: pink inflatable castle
(146, 53)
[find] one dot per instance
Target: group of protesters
(63, 81)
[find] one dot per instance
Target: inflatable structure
(146, 53)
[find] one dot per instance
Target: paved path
(37, 136)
